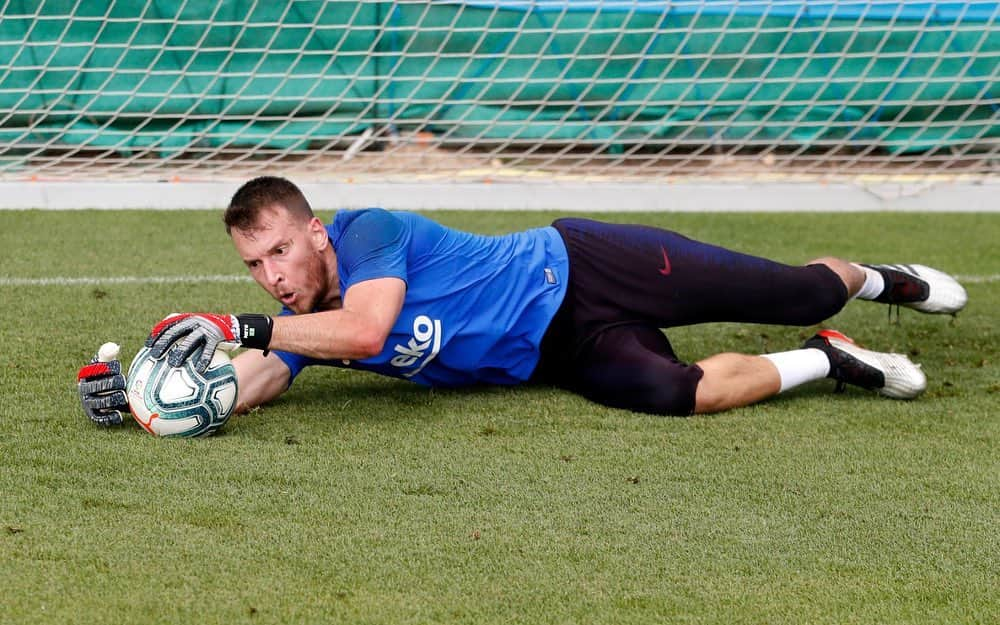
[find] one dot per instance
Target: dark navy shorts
(627, 282)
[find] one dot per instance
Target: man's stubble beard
(322, 298)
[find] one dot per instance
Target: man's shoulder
(347, 216)
(364, 223)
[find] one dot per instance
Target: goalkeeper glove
(199, 334)
(102, 391)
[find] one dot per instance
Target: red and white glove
(102, 387)
(198, 335)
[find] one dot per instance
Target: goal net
(561, 95)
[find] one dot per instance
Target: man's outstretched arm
(357, 330)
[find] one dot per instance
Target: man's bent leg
(634, 367)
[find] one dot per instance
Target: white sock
(874, 283)
(799, 366)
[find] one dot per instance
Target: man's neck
(332, 299)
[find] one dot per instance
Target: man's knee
(823, 295)
(852, 277)
(674, 400)
(650, 391)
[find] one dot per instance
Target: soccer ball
(179, 401)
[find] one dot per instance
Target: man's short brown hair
(260, 194)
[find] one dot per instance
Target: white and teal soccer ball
(179, 401)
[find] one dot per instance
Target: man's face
(285, 255)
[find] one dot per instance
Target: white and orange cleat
(892, 375)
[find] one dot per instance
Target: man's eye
(253, 264)
(281, 250)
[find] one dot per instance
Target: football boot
(892, 375)
(921, 288)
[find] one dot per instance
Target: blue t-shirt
(476, 307)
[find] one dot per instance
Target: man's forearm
(327, 335)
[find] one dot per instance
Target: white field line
(978, 279)
(97, 280)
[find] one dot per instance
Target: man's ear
(318, 235)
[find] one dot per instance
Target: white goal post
(562, 104)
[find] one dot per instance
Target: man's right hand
(102, 391)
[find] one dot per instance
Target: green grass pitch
(358, 499)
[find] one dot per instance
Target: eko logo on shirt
(425, 344)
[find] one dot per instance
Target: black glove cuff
(255, 331)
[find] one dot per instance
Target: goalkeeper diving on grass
(580, 305)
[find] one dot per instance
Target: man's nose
(271, 273)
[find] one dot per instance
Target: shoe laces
(890, 313)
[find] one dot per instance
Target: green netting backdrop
(165, 75)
